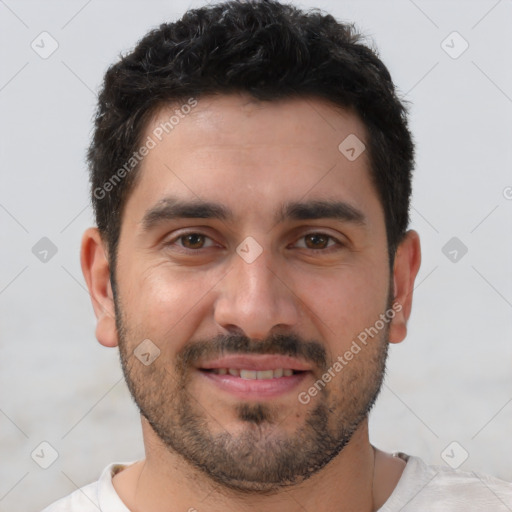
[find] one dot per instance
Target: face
(252, 255)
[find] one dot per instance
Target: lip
(256, 362)
(246, 389)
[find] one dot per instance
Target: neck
(164, 479)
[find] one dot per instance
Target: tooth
(287, 372)
(265, 374)
(248, 374)
(278, 373)
(234, 372)
(222, 371)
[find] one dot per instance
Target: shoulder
(439, 488)
(83, 499)
(99, 495)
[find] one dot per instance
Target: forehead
(240, 120)
(253, 154)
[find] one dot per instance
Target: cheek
(345, 302)
(168, 303)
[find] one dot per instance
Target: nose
(255, 298)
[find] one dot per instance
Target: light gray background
(451, 380)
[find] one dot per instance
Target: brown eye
(193, 241)
(316, 241)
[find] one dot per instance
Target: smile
(255, 374)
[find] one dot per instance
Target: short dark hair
(271, 51)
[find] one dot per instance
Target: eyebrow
(171, 208)
(321, 209)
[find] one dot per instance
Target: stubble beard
(258, 457)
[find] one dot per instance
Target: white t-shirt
(421, 488)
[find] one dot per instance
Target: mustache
(277, 344)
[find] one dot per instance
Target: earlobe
(406, 267)
(96, 270)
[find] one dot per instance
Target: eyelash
(330, 248)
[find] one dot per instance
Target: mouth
(256, 377)
(254, 374)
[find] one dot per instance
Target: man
(251, 176)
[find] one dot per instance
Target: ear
(406, 266)
(96, 270)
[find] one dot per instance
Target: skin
(252, 157)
